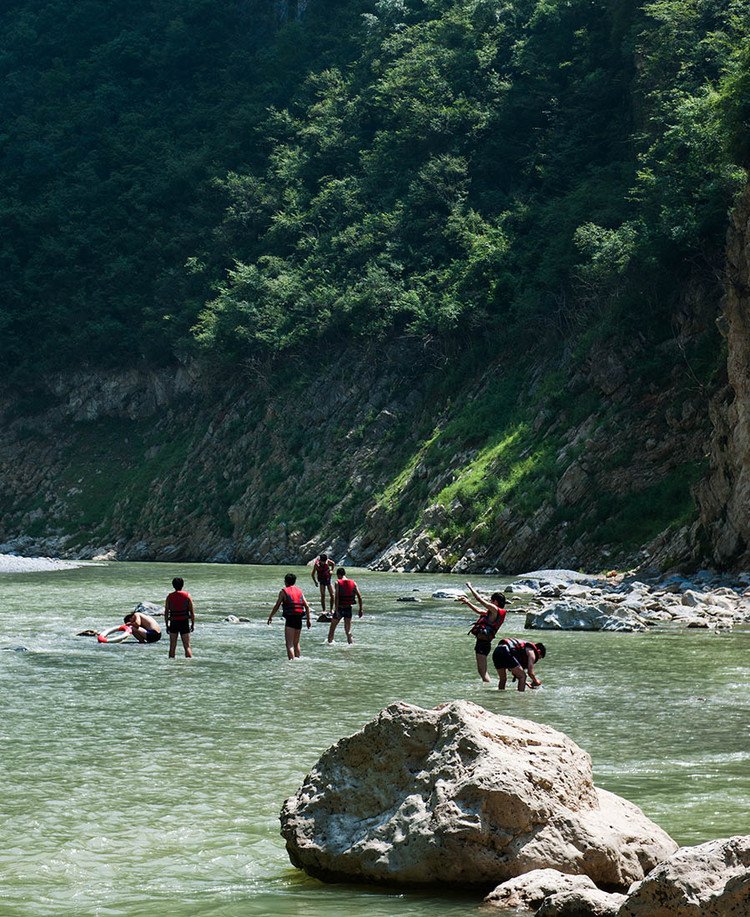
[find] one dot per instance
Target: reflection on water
(139, 785)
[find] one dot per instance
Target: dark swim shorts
(324, 579)
(345, 611)
(179, 627)
(503, 658)
(293, 620)
(152, 636)
(482, 647)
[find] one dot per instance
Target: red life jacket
(179, 607)
(513, 644)
(485, 628)
(292, 601)
(323, 570)
(347, 590)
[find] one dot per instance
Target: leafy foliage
(236, 177)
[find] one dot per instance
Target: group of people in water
(517, 656)
(511, 654)
(342, 596)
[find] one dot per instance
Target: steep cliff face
(386, 457)
(724, 496)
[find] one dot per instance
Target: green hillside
(484, 238)
(209, 173)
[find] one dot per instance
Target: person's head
(128, 618)
(177, 583)
(341, 573)
(541, 650)
(290, 579)
(497, 598)
(324, 557)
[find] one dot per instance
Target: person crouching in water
(491, 617)
(179, 617)
(519, 656)
(145, 629)
(346, 591)
(295, 606)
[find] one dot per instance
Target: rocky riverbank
(564, 600)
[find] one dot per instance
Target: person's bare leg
(331, 598)
(172, 645)
(186, 645)
(323, 597)
(289, 634)
(502, 677)
(348, 629)
(332, 629)
(297, 652)
(482, 667)
(521, 676)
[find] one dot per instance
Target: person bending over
(520, 656)
(144, 628)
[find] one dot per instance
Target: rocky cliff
(390, 457)
(724, 496)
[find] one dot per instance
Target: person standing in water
(179, 617)
(491, 617)
(321, 576)
(295, 607)
(346, 592)
(519, 656)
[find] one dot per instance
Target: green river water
(135, 785)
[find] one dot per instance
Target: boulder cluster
(457, 796)
(566, 601)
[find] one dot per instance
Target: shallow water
(139, 785)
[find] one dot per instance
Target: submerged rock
(710, 880)
(460, 796)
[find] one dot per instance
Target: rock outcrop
(460, 796)
(710, 880)
(725, 494)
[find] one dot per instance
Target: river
(135, 785)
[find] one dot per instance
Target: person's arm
(487, 604)
(336, 598)
(166, 614)
(359, 599)
(314, 574)
(533, 680)
(479, 611)
(307, 610)
(192, 613)
(276, 606)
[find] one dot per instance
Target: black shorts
(345, 611)
(293, 620)
(503, 658)
(482, 647)
(324, 580)
(152, 636)
(179, 627)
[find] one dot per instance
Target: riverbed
(136, 785)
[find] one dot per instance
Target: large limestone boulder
(579, 615)
(460, 796)
(711, 880)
